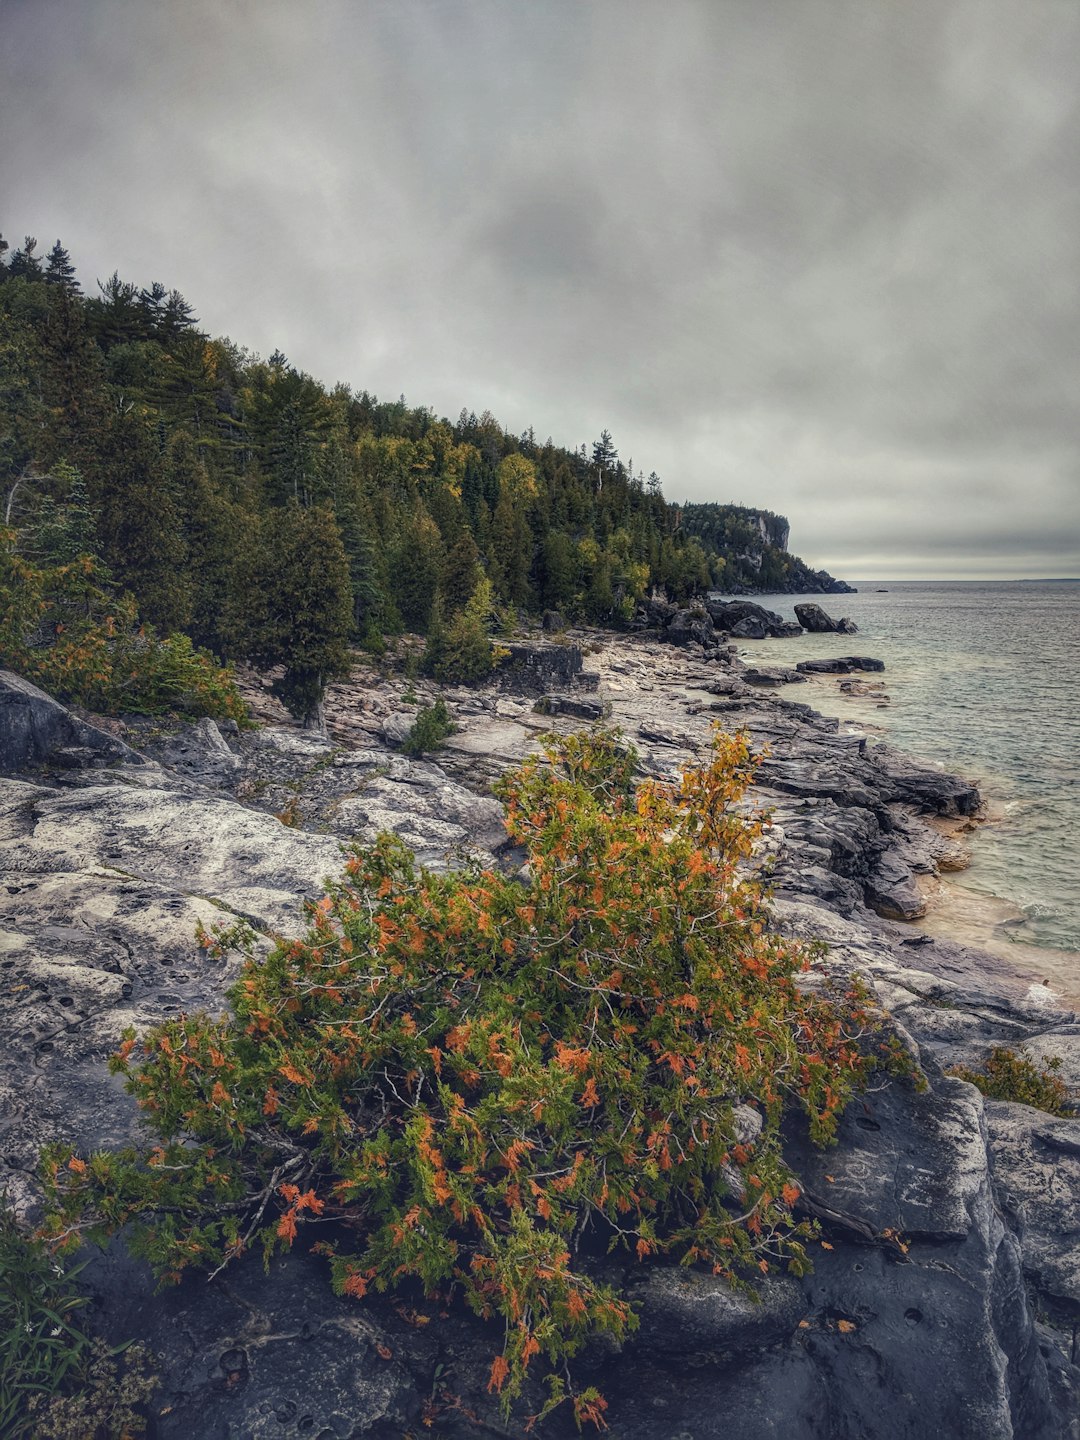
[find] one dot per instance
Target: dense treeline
(248, 507)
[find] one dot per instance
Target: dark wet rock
(750, 629)
(36, 730)
(893, 891)
(1037, 1165)
(771, 675)
(842, 665)
(688, 626)
(260, 1355)
(729, 615)
(687, 1312)
(657, 611)
(932, 790)
(813, 618)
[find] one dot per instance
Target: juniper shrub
(471, 1070)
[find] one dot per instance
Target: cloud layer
(821, 258)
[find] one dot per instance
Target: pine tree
(65, 526)
(116, 317)
(417, 569)
(177, 317)
(73, 384)
(510, 551)
(309, 610)
(462, 574)
(25, 263)
(60, 270)
(140, 527)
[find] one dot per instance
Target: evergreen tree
(306, 607)
(177, 317)
(141, 533)
(72, 384)
(416, 569)
(60, 270)
(151, 301)
(116, 316)
(462, 574)
(25, 263)
(510, 551)
(65, 526)
(558, 570)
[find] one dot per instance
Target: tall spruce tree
(298, 606)
(60, 271)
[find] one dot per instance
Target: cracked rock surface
(946, 1299)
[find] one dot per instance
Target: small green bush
(433, 725)
(1009, 1076)
(56, 1382)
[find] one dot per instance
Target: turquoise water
(983, 678)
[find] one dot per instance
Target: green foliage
(198, 455)
(296, 609)
(64, 627)
(474, 1072)
(56, 1382)
(431, 728)
(1006, 1075)
(463, 652)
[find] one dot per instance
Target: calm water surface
(983, 678)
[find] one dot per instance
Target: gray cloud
(820, 257)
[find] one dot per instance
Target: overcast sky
(812, 255)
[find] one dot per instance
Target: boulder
(892, 890)
(749, 629)
(578, 707)
(554, 622)
(770, 675)
(728, 615)
(688, 626)
(37, 730)
(813, 618)
(842, 665)
(397, 727)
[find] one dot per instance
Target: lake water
(982, 678)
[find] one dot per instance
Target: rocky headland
(946, 1301)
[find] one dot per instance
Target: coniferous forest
(173, 502)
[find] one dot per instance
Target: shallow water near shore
(982, 678)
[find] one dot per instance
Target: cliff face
(754, 546)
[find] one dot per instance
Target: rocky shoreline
(949, 1301)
